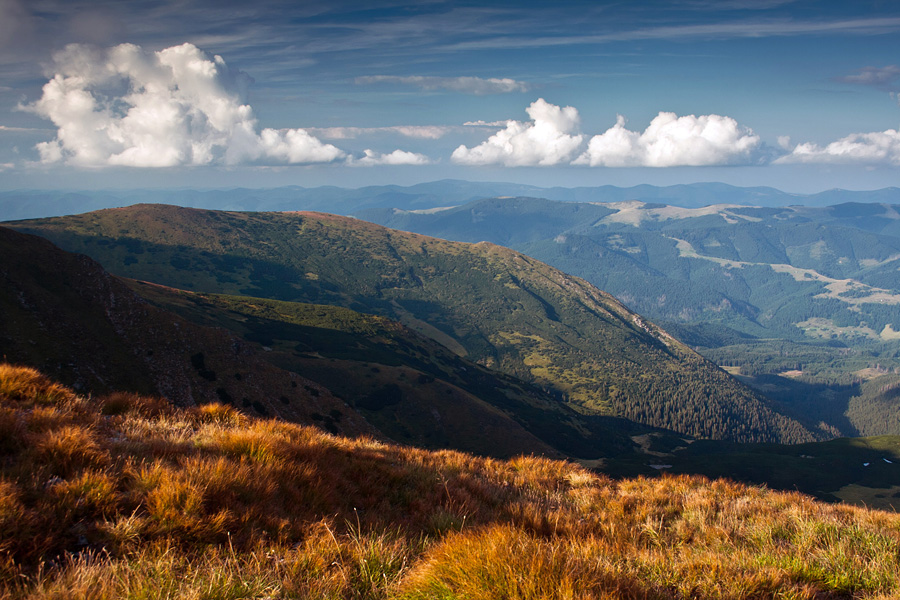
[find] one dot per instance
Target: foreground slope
(493, 305)
(126, 496)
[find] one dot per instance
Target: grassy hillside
(126, 496)
(413, 389)
(794, 272)
(332, 367)
(495, 306)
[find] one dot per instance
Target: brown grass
(124, 496)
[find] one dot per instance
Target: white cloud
(466, 85)
(423, 132)
(671, 141)
(397, 157)
(550, 138)
(879, 147)
(179, 106)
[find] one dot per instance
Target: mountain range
(28, 204)
(397, 366)
(496, 307)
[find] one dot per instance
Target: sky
(799, 95)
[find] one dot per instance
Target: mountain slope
(64, 314)
(413, 389)
(496, 306)
(134, 498)
(737, 282)
(794, 272)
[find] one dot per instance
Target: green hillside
(318, 365)
(803, 302)
(495, 306)
(413, 389)
(795, 273)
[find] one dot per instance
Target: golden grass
(128, 497)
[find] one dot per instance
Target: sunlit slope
(496, 306)
(795, 272)
(125, 496)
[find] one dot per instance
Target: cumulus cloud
(397, 157)
(671, 141)
(465, 85)
(550, 138)
(179, 106)
(876, 148)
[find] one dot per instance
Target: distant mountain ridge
(789, 272)
(30, 204)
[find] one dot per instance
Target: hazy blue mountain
(449, 192)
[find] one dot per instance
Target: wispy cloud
(422, 132)
(395, 158)
(724, 30)
(485, 123)
(24, 129)
(465, 85)
(886, 78)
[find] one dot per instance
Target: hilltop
(126, 496)
(492, 305)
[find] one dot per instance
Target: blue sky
(800, 95)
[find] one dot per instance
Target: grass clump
(128, 497)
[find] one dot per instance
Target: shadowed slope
(64, 314)
(332, 367)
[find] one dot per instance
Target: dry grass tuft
(24, 384)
